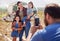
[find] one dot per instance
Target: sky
(37, 3)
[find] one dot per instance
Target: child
(16, 27)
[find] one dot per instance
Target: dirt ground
(5, 29)
(5, 32)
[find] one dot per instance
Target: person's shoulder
(43, 31)
(40, 33)
(52, 26)
(24, 7)
(17, 12)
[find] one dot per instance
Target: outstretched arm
(37, 37)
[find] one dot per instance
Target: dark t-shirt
(22, 13)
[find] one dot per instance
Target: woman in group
(30, 10)
(29, 15)
(33, 12)
(16, 27)
(27, 18)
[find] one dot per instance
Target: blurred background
(7, 7)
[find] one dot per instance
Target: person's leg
(14, 39)
(14, 34)
(28, 25)
(21, 34)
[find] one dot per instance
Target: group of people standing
(21, 21)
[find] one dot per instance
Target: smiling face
(29, 5)
(17, 18)
(20, 5)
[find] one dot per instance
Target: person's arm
(37, 37)
(40, 26)
(24, 21)
(13, 25)
(19, 26)
(24, 24)
(30, 14)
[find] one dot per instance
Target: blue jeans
(26, 29)
(21, 34)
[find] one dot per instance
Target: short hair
(52, 4)
(53, 11)
(18, 3)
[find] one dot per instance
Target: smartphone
(37, 22)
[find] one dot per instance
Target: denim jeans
(26, 29)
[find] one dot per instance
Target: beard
(46, 22)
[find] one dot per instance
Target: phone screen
(37, 22)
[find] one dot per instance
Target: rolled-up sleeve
(37, 37)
